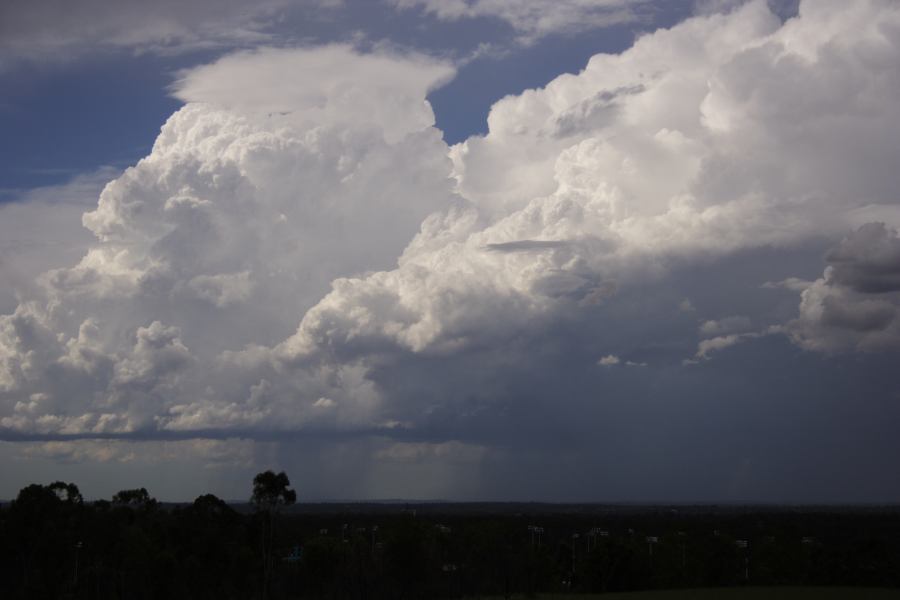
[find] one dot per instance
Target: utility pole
(535, 531)
(651, 539)
(78, 546)
(744, 545)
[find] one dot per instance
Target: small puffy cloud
(324, 403)
(719, 343)
(794, 284)
(711, 345)
(725, 326)
(609, 360)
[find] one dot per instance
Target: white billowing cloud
(245, 210)
(609, 360)
(708, 346)
(688, 145)
(855, 305)
(692, 120)
(276, 198)
(533, 19)
(794, 284)
(725, 326)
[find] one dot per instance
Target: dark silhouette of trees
(211, 540)
(270, 493)
(66, 492)
(136, 498)
(43, 530)
(210, 507)
(53, 544)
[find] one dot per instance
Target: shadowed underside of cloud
(856, 303)
(301, 252)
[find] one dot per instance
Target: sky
(512, 250)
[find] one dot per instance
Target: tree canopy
(270, 490)
(138, 497)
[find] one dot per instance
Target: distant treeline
(55, 545)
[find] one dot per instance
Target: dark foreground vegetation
(55, 545)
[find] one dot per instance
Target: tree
(46, 517)
(270, 492)
(136, 498)
(66, 492)
(36, 499)
(211, 506)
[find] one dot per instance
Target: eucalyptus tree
(270, 493)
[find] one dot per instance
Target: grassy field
(749, 593)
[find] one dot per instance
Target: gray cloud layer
(60, 30)
(532, 19)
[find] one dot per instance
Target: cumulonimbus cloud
(300, 222)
